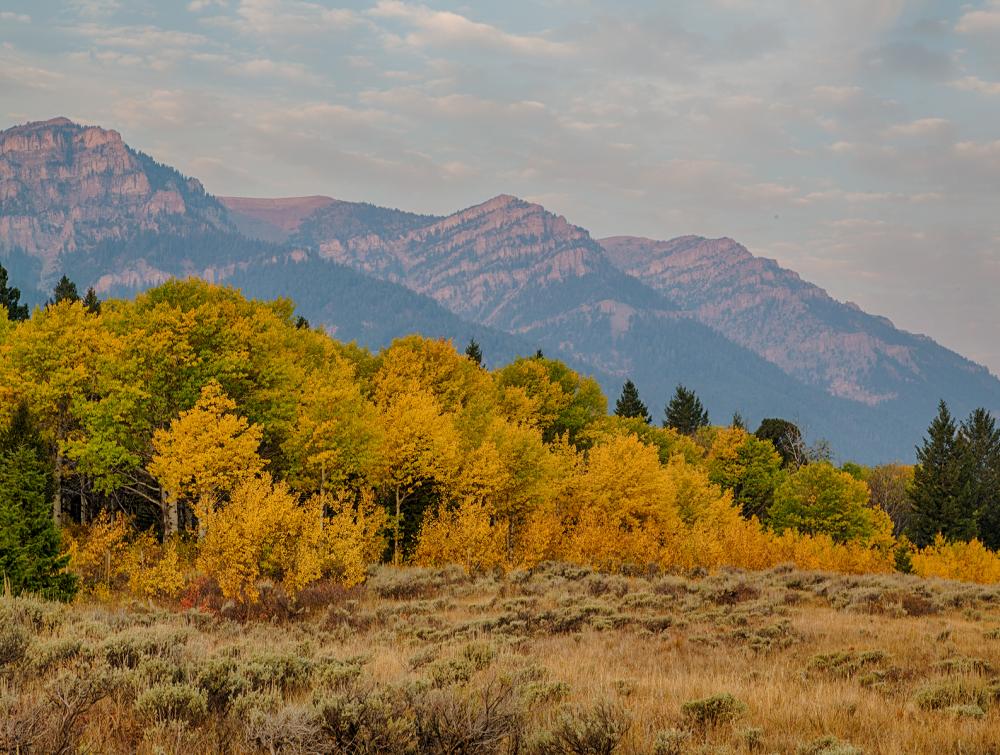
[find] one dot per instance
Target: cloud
(150, 38)
(922, 127)
(283, 18)
(978, 85)
(445, 29)
(980, 21)
(264, 67)
(21, 18)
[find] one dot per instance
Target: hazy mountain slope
(66, 188)
(356, 307)
(512, 265)
(271, 219)
(746, 334)
(801, 329)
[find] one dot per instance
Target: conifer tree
(737, 422)
(30, 549)
(65, 290)
(10, 298)
(473, 352)
(630, 405)
(91, 302)
(942, 490)
(685, 412)
(980, 439)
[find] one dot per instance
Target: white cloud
(21, 18)
(921, 127)
(264, 67)
(980, 20)
(434, 28)
(978, 85)
(277, 18)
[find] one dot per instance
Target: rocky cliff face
(65, 188)
(790, 322)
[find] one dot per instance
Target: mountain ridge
(748, 334)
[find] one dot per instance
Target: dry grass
(560, 660)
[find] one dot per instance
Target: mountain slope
(743, 332)
(512, 265)
(801, 329)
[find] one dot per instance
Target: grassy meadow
(559, 659)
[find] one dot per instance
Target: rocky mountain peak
(65, 187)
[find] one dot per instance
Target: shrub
(945, 694)
(293, 728)
(366, 723)
(484, 721)
(710, 711)
(283, 672)
(670, 742)
(451, 671)
(221, 681)
(966, 711)
(172, 702)
(51, 653)
(13, 644)
(828, 745)
(597, 731)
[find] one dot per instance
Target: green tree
(980, 440)
(820, 499)
(91, 302)
(748, 466)
(890, 491)
(30, 546)
(941, 492)
(737, 422)
(685, 412)
(473, 352)
(65, 290)
(630, 405)
(10, 298)
(786, 437)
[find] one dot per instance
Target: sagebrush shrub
(713, 710)
(172, 702)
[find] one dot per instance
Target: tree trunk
(57, 495)
(396, 530)
(171, 524)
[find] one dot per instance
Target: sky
(855, 141)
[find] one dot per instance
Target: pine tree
(941, 493)
(630, 405)
(10, 298)
(473, 352)
(980, 439)
(91, 302)
(737, 422)
(685, 412)
(30, 549)
(65, 290)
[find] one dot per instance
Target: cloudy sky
(856, 141)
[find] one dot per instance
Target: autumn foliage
(195, 432)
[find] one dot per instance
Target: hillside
(748, 335)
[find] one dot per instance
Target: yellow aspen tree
(419, 446)
(204, 454)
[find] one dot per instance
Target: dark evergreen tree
(737, 422)
(10, 298)
(473, 352)
(65, 290)
(30, 548)
(301, 323)
(91, 302)
(980, 439)
(539, 354)
(786, 437)
(630, 405)
(685, 412)
(942, 489)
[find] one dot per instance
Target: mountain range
(745, 333)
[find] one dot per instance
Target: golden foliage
(970, 562)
